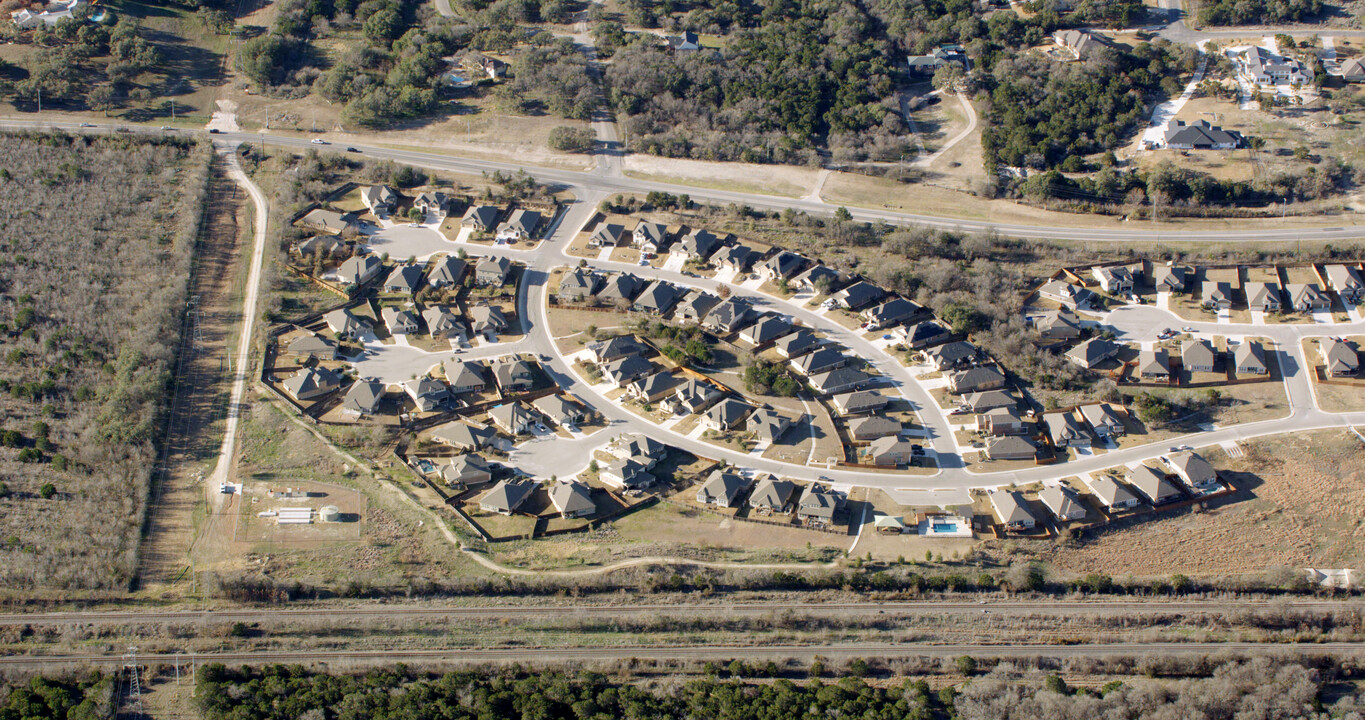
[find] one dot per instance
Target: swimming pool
(944, 528)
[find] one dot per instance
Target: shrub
(572, 139)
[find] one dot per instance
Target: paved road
(602, 185)
(838, 652)
(997, 605)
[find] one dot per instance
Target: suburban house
(324, 220)
(616, 347)
(766, 425)
(838, 380)
(826, 358)
(859, 402)
(1068, 295)
(1001, 421)
(857, 296)
(1079, 43)
(380, 199)
(520, 225)
(1197, 356)
(1114, 495)
(725, 415)
(513, 375)
(1155, 364)
(650, 237)
(988, 400)
(1092, 352)
(1011, 447)
(1104, 420)
(653, 388)
(1200, 136)
(329, 246)
(1168, 278)
(312, 347)
(1261, 67)
(1059, 324)
(507, 496)
(1215, 295)
(1115, 280)
(399, 322)
(722, 488)
(1062, 503)
(1250, 358)
(937, 58)
(891, 451)
(1010, 511)
(892, 312)
(692, 396)
(974, 379)
(463, 436)
(559, 409)
(697, 245)
(782, 265)
(433, 203)
(767, 329)
(872, 427)
(54, 12)
(608, 235)
(346, 325)
(404, 280)
(1346, 281)
(695, 307)
(627, 473)
(466, 470)
(446, 272)
(728, 316)
(1352, 71)
(772, 496)
(464, 377)
(951, 355)
(819, 278)
(734, 257)
(818, 505)
(1066, 431)
(513, 418)
(1340, 358)
(577, 285)
(572, 500)
(363, 398)
(427, 393)
(657, 299)
(1193, 469)
(487, 319)
(1263, 296)
(1307, 297)
(796, 344)
(686, 42)
(356, 271)
(623, 371)
(492, 271)
(311, 383)
(619, 288)
(643, 449)
(922, 335)
(480, 218)
(1152, 484)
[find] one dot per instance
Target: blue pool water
(945, 528)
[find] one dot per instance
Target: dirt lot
(1301, 505)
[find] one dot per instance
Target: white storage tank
(330, 513)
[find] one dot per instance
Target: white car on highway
(319, 141)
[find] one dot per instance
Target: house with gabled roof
(840, 379)
(1001, 421)
(380, 199)
(974, 379)
(734, 257)
(782, 265)
(513, 374)
(559, 409)
(767, 329)
(644, 449)
(480, 218)
(627, 474)
(984, 400)
(464, 377)
(796, 344)
(435, 202)
(619, 287)
(1062, 503)
(312, 347)
(608, 235)
(657, 299)
(1263, 296)
(650, 237)
(1079, 43)
(1154, 364)
(623, 371)
(695, 307)
(520, 225)
(857, 296)
(1114, 279)
(1307, 297)
(572, 500)
(399, 322)
(1066, 431)
(615, 347)
(363, 398)
(447, 272)
(817, 278)
(577, 285)
(873, 427)
(311, 383)
(1011, 447)
(892, 312)
(1200, 135)
(819, 504)
(890, 451)
(507, 496)
(487, 319)
(357, 270)
(1152, 484)
(1215, 295)
(1346, 280)
(1060, 324)
(730, 315)
(492, 271)
(466, 469)
(1169, 278)
(1114, 495)
(347, 325)
(859, 402)
(1068, 295)
(766, 425)
(692, 396)
(697, 245)
(1340, 358)
(1193, 470)
(1010, 510)
(725, 415)
(772, 496)
(653, 388)
(1104, 420)
(427, 393)
(1197, 355)
(1249, 358)
(442, 323)
(822, 360)
(722, 489)
(463, 436)
(513, 418)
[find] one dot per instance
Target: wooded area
(100, 233)
(1257, 12)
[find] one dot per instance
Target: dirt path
(196, 405)
(966, 133)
